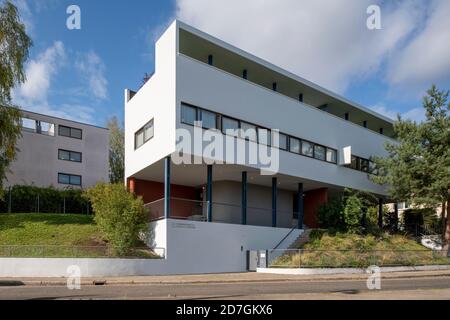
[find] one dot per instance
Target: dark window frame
(70, 153)
(70, 135)
(70, 178)
(142, 130)
(219, 126)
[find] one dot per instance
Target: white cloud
(415, 114)
(328, 42)
(426, 58)
(39, 73)
(93, 69)
(324, 41)
(33, 94)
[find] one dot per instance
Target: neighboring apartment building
(60, 153)
(325, 145)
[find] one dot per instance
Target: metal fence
(61, 251)
(195, 210)
(302, 258)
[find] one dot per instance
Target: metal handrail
(285, 237)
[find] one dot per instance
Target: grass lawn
(351, 250)
(54, 235)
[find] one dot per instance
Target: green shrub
(352, 213)
(120, 216)
(330, 215)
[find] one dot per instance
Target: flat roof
(59, 118)
(275, 68)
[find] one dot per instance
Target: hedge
(31, 199)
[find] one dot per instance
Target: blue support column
(244, 198)
(209, 193)
(274, 202)
(300, 205)
(167, 187)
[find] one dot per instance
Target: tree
(417, 168)
(116, 151)
(120, 216)
(14, 48)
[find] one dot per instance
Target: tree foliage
(116, 151)
(417, 168)
(14, 48)
(120, 216)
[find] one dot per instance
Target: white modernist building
(60, 153)
(211, 208)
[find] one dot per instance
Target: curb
(292, 278)
(349, 271)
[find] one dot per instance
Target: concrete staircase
(301, 239)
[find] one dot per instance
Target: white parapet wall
(190, 247)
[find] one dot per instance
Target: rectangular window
(230, 124)
(70, 132)
(69, 155)
(283, 141)
(209, 119)
(144, 134)
(264, 136)
(69, 179)
(307, 149)
(188, 114)
(319, 152)
(294, 145)
(364, 165)
(355, 163)
(248, 131)
(331, 155)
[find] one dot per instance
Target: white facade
(179, 78)
(195, 70)
(59, 153)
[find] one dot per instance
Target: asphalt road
(417, 288)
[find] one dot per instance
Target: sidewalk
(213, 278)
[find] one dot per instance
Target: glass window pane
(64, 131)
(63, 178)
(294, 145)
(331, 155)
(230, 124)
(64, 155)
(373, 168)
(29, 124)
(188, 114)
(264, 136)
(75, 180)
(364, 165)
(75, 156)
(307, 149)
(75, 133)
(283, 141)
(319, 152)
(249, 131)
(139, 139)
(208, 119)
(148, 131)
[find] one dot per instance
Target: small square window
(75, 180)
(63, 178)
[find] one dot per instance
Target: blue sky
(81, 74)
